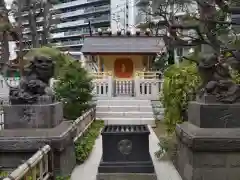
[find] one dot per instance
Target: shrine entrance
(123, 71)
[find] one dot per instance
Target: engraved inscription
(226, 116)
(125, 146)
(29, 115)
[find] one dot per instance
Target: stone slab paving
(87, 171)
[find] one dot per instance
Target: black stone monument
(126, 153)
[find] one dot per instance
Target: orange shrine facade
(123, 65)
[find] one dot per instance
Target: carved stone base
(212, 99)
(33, 116)
(214, 115)
(207, 154)
(18, 145)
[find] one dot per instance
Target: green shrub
(180, 85)
(167, 148)
(3, 174)
(63, 178)
(74, 88)
(84, 145)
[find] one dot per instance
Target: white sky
(8, 2)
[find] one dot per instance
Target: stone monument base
(126, 176)
(18, 145)
(33, 115)
(214, 115)
(126, 167)
(208, 154)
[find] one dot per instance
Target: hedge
(85, 144)
(179, 87)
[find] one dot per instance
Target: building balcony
(39, 19)
(73, 4)
(58, 44)
(68, 43)
(85, 11)
(100, 19)
(27, 30)
(70, 33)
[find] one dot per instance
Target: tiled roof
(122, 44)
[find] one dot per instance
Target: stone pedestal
(33, 116)
(214, 115)
(208, 154)
(126, 153)
(18, 145)
(209, 144)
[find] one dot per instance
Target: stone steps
(125, 111)
(124, 102)
(149, 121)
(124, 108)
(129, 114)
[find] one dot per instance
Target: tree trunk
(46, 25)
(208, 12)
(5, 47)
(4, 32)
(20, 38)
(32, 23)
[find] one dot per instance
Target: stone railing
(41, 165)
(148, 74)
(101, 75)
(148, 88)
(38, 167)
(103, 87)
(141, 88)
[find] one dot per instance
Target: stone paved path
(87, 171)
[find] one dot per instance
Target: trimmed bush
(180, 85)
(74, 89)
(84, 145)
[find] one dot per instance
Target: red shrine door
(123, 70)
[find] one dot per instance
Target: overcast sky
(8, 2)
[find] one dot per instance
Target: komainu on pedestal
(209, 143)
(34, 118)
(32, 103)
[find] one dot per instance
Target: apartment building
(73, 17)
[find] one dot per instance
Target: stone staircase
(125, 111)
